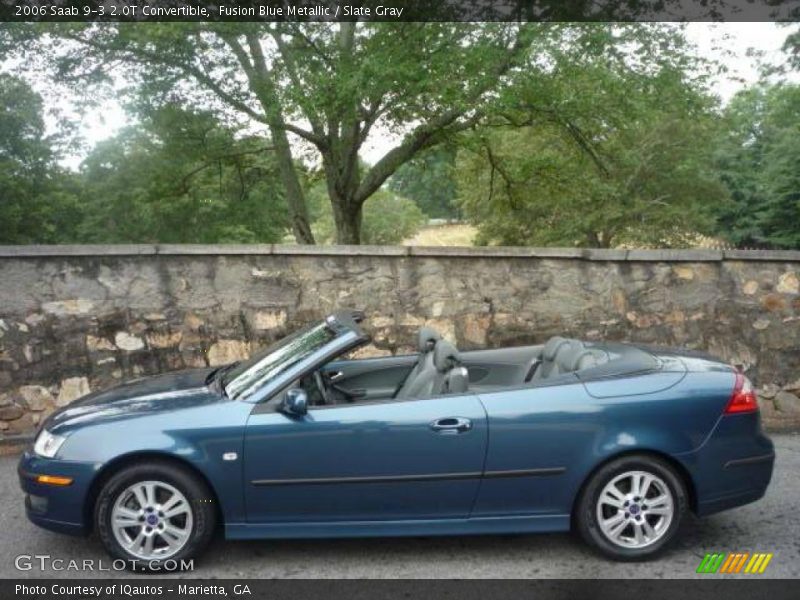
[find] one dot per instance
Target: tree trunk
(347, 217)
(340, 161)
(295, 199)
(260, 80)
(340, 164)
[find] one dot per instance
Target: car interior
(438, 368)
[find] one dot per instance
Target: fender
(202, 447)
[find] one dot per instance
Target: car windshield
(246, 378)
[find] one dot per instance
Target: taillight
(743, 399)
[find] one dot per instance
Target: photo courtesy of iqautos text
(504, 291)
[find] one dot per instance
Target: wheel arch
(680, 469)
(112, 467)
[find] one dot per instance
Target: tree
(37, 199)
(182, 177)
(617, 152)
(791, 47)
(388, 218)
(758, 157)
(325, 88)
(428, 180)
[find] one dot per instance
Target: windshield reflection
(249, 376)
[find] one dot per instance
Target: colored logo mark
(735, 562)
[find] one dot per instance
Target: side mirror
(295, 402)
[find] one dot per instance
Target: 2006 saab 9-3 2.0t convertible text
(615, 440)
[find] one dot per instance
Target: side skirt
(423, 527)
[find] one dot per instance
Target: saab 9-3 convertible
(616, 441)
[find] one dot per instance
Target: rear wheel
(155, 512)
(632, 507)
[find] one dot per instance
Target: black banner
(744, 588)
(399, 10)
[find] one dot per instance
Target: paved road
(770, 525)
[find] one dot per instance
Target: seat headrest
(567, 354)
(445, 356)
(551, 347)
(589, 358)
(584, 360)
(427, 339)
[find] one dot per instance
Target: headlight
(47, 444)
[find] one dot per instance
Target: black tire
(586, 518)
(201, 502)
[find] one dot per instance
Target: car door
(386, 460)
(543, 440)
(369, 378)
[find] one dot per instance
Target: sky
(729, 42)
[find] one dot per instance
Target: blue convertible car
(616, 441)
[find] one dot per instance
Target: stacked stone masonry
(74, 319)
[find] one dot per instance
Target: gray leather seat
(548, 366)
(440, 372)
(590, 358)
(456, 381)
(427, 339)
(452, 377)
(561, 355)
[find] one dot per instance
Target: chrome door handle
(451, 425)
(335, 376)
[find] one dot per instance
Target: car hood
(138, 397)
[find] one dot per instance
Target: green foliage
(328, 85)
(565, 133)
(791, 47)
(332, 85)
(428, 180)
(38, 200)
(388, 218)
(182, 177)
(617, 152)
(758, 157)
(177, 177)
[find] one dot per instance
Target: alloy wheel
(635, 509)
(152, 520)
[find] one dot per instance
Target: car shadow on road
(387, 557)
(528, 555)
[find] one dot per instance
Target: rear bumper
(749, 477)
(733, 467)
(57, 508)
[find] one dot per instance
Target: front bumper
(58, 508)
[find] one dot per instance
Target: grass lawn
(457, 234)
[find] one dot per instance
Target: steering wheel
(322, 389)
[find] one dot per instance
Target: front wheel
(152, 513)
(632, 508)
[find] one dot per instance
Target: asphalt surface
(770, 525)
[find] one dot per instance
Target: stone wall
(75, 319)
